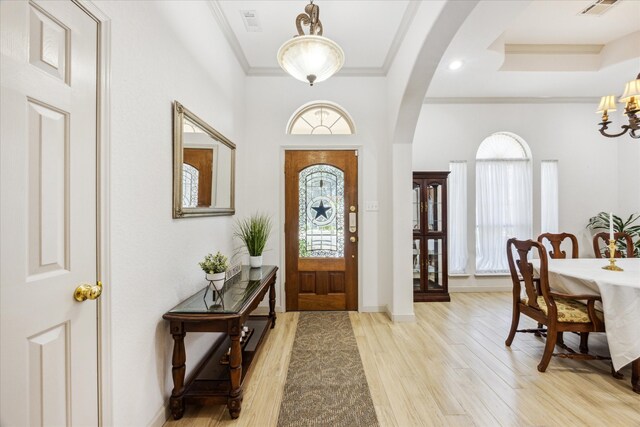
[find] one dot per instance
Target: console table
(219, 377)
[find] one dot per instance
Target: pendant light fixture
(310, 58)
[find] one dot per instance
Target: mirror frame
(179, 114)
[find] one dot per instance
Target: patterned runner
(326, 384)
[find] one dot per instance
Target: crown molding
(407, 18)
(221, 19)
(513, 100)
(553, 49)
(405, 22)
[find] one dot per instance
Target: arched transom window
(320, 118)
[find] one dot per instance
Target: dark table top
(237, 291)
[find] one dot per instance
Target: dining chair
(558, 312)
(556, 240)
(617, 236)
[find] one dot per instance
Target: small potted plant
(254, 233)
(215, 267)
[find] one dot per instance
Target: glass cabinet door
(416, 207)
(417, 264)
(434, 207)
(434, 265)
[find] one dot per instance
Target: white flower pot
(255, 261)
(217, 279)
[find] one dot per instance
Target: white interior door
(48, 214)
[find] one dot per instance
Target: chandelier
(310, 58)
(631, 97)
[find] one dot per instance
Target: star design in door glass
(321, 210)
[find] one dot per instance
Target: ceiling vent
(599, 7)
(251, 22)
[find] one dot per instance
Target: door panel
(321, 230)
(48, 221)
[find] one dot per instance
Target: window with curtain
(549, 196)
(458, 255)
(503, 199)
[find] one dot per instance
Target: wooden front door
(321, 230)
(48, 216)
(201, 159)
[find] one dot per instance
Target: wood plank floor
(451, 367)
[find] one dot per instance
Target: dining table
(620, 293)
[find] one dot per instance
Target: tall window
(458, 217)
(549, 196)
(320, 118)
(503, 198)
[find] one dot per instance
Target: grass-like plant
(254, 232)
(601, 222)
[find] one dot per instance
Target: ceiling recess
(599, 7)
(251, 22)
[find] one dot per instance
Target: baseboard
(373, 309)
(480, 289)
(161, 416)
(398, 318)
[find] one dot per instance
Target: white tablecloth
(620, 292)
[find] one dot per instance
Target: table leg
(235, 373)
(272, 304)
(635, 375)
(176, 402)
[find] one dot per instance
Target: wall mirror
(203, 167)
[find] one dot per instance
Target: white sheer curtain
(549, 196)
(458, 255)
(503, 210)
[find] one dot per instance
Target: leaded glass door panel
(321, 230)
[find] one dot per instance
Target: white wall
(590, 179)
(628, 174)
(160, 52)
(270, 102)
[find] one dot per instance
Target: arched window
(320, 118)
(503, 198)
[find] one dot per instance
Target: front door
(48, 223)
(321, 230)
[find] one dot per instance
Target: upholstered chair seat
(569, 310)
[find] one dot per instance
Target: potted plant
(215, 267)
(601, 222)
(254, 233)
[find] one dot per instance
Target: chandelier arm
(605, 126)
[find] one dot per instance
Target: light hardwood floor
(451, 367)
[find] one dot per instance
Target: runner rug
(326, 384)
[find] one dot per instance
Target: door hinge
(356, 152)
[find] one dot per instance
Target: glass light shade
(307, 56)
(632, 88)
(607, 103)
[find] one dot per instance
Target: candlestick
(612, 257)
(610, 225)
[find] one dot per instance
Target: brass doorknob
(88, 291)
(352, 239)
